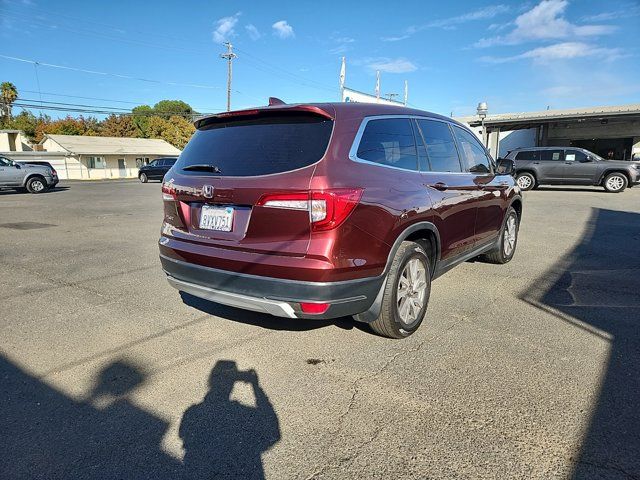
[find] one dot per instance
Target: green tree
(8, 95)
(64, 126)
(140, 117)
(175, 130)
(25, 121)
(119, 126)
(177, 107)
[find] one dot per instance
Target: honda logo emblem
(207, 191)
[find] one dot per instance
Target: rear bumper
(275, 296)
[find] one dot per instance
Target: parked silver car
(19, 176)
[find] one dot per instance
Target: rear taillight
(53, 172)
(168, 192)
(327, 208)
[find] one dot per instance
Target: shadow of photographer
(46, 434)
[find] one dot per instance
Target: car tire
(508, 240)
(36, 185)
(526, 181)
(406, 293)
(615, 182)
(143, 178)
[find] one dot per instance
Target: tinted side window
(474, 158)
(389, 142)
(528, 155)
(4, 162)
(441, 149)
(551, 155)
(170, 161)
(574, 156)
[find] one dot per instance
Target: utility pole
(229, 56)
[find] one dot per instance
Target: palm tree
(8, 95)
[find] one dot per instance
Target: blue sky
(517, 56)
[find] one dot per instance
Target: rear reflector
(314, 308)
(327, 208)
(168, 192)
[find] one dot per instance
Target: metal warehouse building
(599, 129)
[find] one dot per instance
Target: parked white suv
(32, 178)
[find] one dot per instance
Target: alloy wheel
(524, 182)
(510, 235)
(615, 182)
(412, 291)
(37, 186)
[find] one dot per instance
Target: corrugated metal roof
(550, 115)
(86, 145)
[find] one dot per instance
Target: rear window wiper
(203, 167)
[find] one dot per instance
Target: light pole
(482, 113)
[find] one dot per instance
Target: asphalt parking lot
(527, 370)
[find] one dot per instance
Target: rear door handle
(536, 163)
(439, 186)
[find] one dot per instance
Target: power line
(117, 75)
(97, 110)
(92, 98)
(267, 67)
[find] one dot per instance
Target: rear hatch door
(236, 160)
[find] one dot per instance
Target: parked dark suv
(328, 210)
(571, 166)
(156, 169)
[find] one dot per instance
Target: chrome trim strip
(272, 307)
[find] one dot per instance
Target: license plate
(216, 218)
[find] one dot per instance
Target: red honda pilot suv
(329, 210)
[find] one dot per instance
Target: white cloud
(390, 65)
(343, 44)
(560, 51)
(545, 21)
(450, 23)
(627, 11)
(225, 28)
(283, 30)
(253, 31)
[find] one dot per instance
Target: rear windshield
(262, 146)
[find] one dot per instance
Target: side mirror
(588, 159)
(17, 165)
(506, 167)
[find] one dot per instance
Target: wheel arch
(33, 175)
(615, 170)
(516, 203)
(424, 233)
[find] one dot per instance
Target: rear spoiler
(263, 112)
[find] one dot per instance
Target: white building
(88, 157)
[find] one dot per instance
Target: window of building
(441, 148)
(474, 157)
(96, 162)
(389, 142)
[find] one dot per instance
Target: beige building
(86, 157)
(14, 141)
